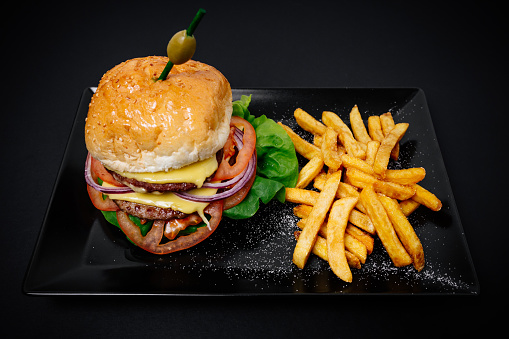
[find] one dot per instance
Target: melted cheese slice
(166, 200)
(195, 173)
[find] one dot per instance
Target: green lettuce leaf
(111, 217)
(277, 162)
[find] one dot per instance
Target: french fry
(358, 127)
(426, 198)
(393, 190)
(301, 196)
(361, 179)
(408, 206)
(347, 190)
(309, 172)
(352, 146)
(304, 148)
(320, 250)
(308, 122)
(322, 231)
(352, 244)
(386, 146)
(302, 211)
(375, 128)
(405, 231)
(350, 161)
(387, 123)
(362, 236)
(345, 135)
(330, 149)
(336, 226)
(356, 247)
(317, 140)
(315, 220)
(320, 247)
(319, 180)
(344, 190)
(407, 176)
(371, 150)
(362, 221)
(332, 120)
(353, 261)
(384, 228)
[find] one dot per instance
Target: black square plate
(78, 252)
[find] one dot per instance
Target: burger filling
(143, 186)
(183, 179)
(162, 206)
(148, 212)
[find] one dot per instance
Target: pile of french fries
(355, 195)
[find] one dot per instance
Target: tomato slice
(229, 146)
(225, 170)
(98, 168)
(238, 197)
(98, 201)
(152, 241)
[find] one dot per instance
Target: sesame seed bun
(136, 124)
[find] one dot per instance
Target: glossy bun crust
(137, 125)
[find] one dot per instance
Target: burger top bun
(136, 124)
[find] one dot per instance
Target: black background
(454, 52)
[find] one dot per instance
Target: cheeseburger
(166, 154)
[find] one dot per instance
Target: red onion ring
(247, 174)
(223, 184)
(106, 190)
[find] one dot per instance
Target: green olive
(181, 47)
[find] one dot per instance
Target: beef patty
(148, 212)
(172, 187)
